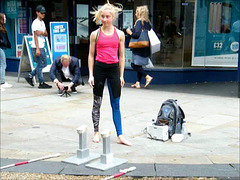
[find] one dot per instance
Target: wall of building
(178, 51)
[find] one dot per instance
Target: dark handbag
(141, 42)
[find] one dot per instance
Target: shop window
(220, 15)
(82, 21)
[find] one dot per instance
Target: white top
(38, 25)
(66, 73)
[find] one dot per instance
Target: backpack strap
(97, 35)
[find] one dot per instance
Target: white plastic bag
(154, 41)
(150, 64)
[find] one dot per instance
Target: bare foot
(96, 137)
(122, 140)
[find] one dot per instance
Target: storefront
(199, 38)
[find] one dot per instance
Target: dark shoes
(74, 91)
(43, 85)
(60, 92)
(29, 80)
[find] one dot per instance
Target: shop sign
(11, 8)
(21, 29)
(59, 39)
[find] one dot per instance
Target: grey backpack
(172, 115)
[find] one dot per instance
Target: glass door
(170, 29)
(187, 30)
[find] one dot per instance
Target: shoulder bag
(141, 42)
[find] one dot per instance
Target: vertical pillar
(83, 154)
(107, 156)
(238, 79)
(107, 160)
(83, 151)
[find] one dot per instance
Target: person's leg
(41, 63)
(2, 65)
(36, 59)
(114, 88)
(97, 102)
(99, 81)
(115, 110)
(135, 68)
(141, 73)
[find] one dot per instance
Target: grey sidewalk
(37, 122)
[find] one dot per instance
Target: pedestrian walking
(140, 56)
(39, 33)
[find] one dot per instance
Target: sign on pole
(59, 38)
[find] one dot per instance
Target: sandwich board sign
(59, 39)
(27, 62)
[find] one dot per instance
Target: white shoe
(6, 85)
(2, 89)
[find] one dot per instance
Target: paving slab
(46, 167)
(36, 122)
(191, 170)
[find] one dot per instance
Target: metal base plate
(103, 167)
(78, 161)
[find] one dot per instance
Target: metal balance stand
(107, 160)
(83, 154)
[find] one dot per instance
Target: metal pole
(238, 79)
(29, 161)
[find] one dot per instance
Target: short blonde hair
(143, 13)
(114, 10)
(66, 57)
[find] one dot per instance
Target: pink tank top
(107, 48)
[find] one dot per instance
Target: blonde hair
(66, 57)
(143, 13)
(114, 10)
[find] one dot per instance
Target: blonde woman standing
(140, 56)
(108, 43)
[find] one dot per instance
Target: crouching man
(66, 69)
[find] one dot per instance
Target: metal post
(238, 79)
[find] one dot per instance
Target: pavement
(37, 122)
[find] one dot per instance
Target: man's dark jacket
(73, 68)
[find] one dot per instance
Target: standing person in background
(39, 32)
(140, 56)
(108, 43)
(4, 44)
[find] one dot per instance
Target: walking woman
(108, 43)
(4, 44)
(140, 56)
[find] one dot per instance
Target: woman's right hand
(128, 30)
(60, 86)
(91, 81)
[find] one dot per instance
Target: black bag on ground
(172, 115)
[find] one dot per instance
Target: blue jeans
(3, 65)
(41, 63)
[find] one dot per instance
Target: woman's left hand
(122, 81)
